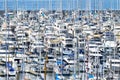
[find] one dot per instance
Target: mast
(95, 6)
(60, 44)
(6, 38)
(16, 7)
(49, 5)
(45, 66)
(87, 54)
(5, 11)
(113, 25)
(61, 8)
(23, 52)
(119, 57)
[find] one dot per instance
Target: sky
(66, 4)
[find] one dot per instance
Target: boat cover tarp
(90, 76)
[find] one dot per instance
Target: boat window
(115, 62)
(50, 57)
(69, 45)
(81, 36)
(96, 39)
(68, 40)
(81, 40)
(92, 46)
(82, 45)
(63, 31)
(77, 31)
(109, 34)
(109, 38)
(53, 45)
(4, 48)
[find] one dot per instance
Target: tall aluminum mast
(6, 37)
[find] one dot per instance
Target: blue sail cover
(11, 69)
(90, 76)
(59, 62)
(9, 65)
(81, 51)
(56, 77)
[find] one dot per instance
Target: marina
(59, 40)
